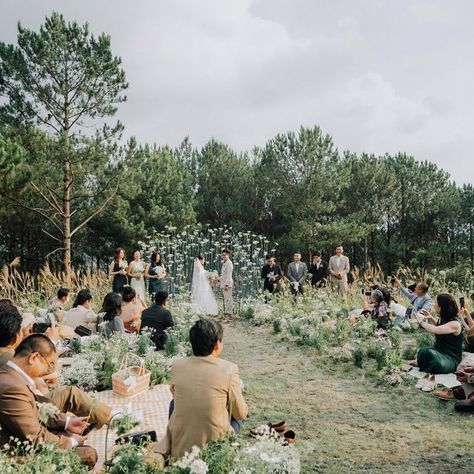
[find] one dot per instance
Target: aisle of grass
(344, 422)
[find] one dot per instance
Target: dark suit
(319, 274)
(159, 319)
(270, 285)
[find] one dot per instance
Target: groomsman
(318, 271)
(297, 272)
(227, 283)
(338, 268)
(271, 274)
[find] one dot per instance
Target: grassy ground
(344, 421)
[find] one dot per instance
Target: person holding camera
(419, 300)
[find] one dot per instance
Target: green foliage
(358, 356)
(395, 338)
(277, 326)
(424, 339)
(247, 313)
(409, 353)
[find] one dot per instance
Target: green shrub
(358, 357)
(277, 326)
(247, 313)
(395, 338)
(294, 329)
(343, 331)
(409, 352)
(424, 339)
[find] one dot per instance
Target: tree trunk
(67, 194)
(471, 248)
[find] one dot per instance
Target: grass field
(345, 422)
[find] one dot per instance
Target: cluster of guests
(452, 327)
(207, 391)
(319, 273)
(119, 313)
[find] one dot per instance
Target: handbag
(82, 331)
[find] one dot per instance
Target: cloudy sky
(378, 75)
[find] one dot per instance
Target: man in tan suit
(227, 282)
(19, 416)
(338, 269)
(208, 401)
(67, 399)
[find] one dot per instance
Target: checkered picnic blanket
(152, 404)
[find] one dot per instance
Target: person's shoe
(429, 384)
(465, 406)
(289, 437)
(422, 381)
(279, 427)
(444, 393)
(459, 393)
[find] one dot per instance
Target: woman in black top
(118, 270)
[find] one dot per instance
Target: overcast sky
(379, 76)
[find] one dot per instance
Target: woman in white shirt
(81, 313)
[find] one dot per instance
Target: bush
(395, 338)
(358, 357)
(409, 352)
(424, 339)
(247, 313)
(277, 326)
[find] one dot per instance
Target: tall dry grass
(29, 290)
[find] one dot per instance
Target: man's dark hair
(423, 287)
(63, 292)
(82, 297)
(269, 256)
(128, 293)
(10, 325)
(339, 245)
(161, 297)
(297, 252)
(35, 343)
(226, 252)
(317, 253)
(6, 303)
(204, 336)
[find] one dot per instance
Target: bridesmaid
(118, 270)
(136, 271)
(155, 271)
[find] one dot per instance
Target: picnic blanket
(153, 407)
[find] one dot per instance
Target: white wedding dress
(202, 295)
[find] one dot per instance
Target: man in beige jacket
(19, 415)
(338, 269)
(208, 401)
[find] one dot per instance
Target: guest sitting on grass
(131, 310)
(376, 307)
(67, 399)
(446, 354)
(208, 401)
(419, 299)
(110, 315)
(81, 313)
(158, 318)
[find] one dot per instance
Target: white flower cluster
(81, 372)
(46, 411)
(192, 462)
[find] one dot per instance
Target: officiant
(271, 275)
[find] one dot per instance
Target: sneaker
(444, 393)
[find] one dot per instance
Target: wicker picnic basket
(131, 380)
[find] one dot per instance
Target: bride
(201, 291)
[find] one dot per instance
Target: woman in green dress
(446, 354)
(155, 272)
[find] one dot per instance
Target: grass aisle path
(344, 422)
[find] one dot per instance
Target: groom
(226, 282)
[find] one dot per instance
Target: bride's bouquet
(213, 276)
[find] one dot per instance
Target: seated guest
(67, 399)
(110, 315)
(446, 354)
(61, 300)
(318, 271)
(468, 323)
(19, 417)
(419, 300)
(131, 310)
(465, 375)
(378, 308)
(158, 318)
(207, 394)
(81, 313)
(271, 275)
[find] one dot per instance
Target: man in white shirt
(19, 415)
